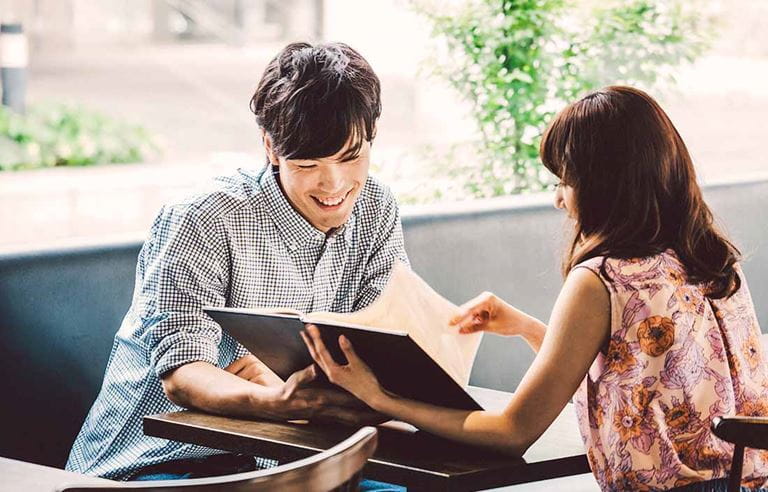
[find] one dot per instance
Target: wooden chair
(338, 468)
(743, 432)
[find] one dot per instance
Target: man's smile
(331, 202)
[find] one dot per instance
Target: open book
(407, 305)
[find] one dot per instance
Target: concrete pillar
(14, 54)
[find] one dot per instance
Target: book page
(269, 310)
(408, 304)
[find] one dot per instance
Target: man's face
(323, 190)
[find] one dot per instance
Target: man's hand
(296, 401)
(247, 388)
(252, 369)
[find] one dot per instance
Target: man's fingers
(302, 377)
(238, 365)
(260, 375)
(252, 369)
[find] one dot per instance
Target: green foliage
(519, 61)
(64, 135)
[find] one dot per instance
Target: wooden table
(20, 475)
(404, 455)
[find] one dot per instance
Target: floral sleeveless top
(675, 360)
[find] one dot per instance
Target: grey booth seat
(59, 310)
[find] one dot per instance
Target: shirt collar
(295, 230)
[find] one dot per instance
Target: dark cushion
(59, 311)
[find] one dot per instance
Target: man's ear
(268, 147)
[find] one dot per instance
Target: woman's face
(564, 199)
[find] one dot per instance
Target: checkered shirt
(238, 245)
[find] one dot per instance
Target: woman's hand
(487, 312)
(355, 377)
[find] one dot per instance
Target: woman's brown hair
(635, 188)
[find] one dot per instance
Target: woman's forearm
(480, 428)
(508, 320)
(533, 332)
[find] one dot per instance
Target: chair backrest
(337, 468)
(744, 432)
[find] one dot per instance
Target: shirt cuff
(240, 352)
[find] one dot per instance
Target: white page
(408, 304)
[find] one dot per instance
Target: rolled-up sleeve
(184, 267)
(388, 246)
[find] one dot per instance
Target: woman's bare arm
(578, 328)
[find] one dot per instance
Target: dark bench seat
(60, 309)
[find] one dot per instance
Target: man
(310, 231)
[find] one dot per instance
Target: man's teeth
(330, 201)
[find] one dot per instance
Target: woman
(654, 329)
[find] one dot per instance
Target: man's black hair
(312, 100)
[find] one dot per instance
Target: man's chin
(330, 224)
